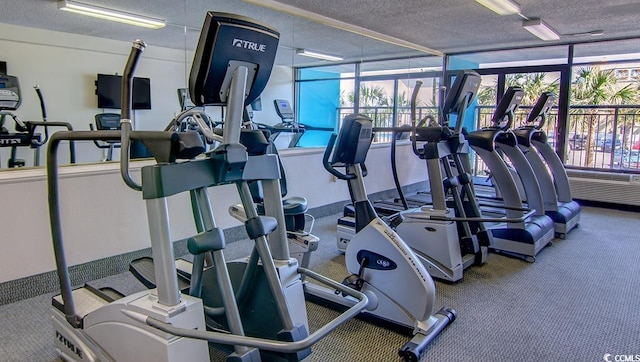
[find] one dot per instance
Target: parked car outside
(551, 139)
(577, 142)
(628, 160)
(633, 160)
(606, 144)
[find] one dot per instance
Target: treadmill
(532, 140)
(527, 238)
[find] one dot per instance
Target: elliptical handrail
(56, 218)
(125, 119)
(201, 119)
(44, 113)
(414, 100)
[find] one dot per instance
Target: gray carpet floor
(579, 301)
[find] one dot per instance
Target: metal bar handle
(125, 119)
(268, 344)
(414, 101)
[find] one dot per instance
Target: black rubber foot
(450, 313)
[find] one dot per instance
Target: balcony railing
(599, 137)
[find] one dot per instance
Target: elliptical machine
(25, 134)
(442, 234)
(163, 324)
(382, 266)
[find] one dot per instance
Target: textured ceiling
(450, 26)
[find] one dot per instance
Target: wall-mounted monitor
(109, 88)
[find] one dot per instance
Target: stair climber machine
(552, 176)
(382, 266)
(520, 239)
(441, 234)
(25, 134)
(256, 309)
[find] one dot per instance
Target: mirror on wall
(65, 53)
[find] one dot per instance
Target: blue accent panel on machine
(375, 260)
(535, 228)
(566, 211)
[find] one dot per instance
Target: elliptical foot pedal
(106, 293)
(252, 355)
(143, 270)
(16, 163)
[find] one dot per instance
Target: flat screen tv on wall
(109, 87)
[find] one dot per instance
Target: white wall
(102, 217)
(65, 67)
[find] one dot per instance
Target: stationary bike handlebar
(330, 166)
(327, 164)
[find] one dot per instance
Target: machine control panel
(9, 93)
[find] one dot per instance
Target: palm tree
(487, 95)
(371, 97)
(533, 84)
(595, 86)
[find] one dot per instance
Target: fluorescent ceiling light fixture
(109, 14)
(502, 7)
(540, 29)
(312, 54)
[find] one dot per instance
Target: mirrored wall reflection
(379, 89)
(66, 57)
(77, 73)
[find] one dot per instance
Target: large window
(380, 89)
(599, 125)
(595, 124)
(604, 118)
(320, 91)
